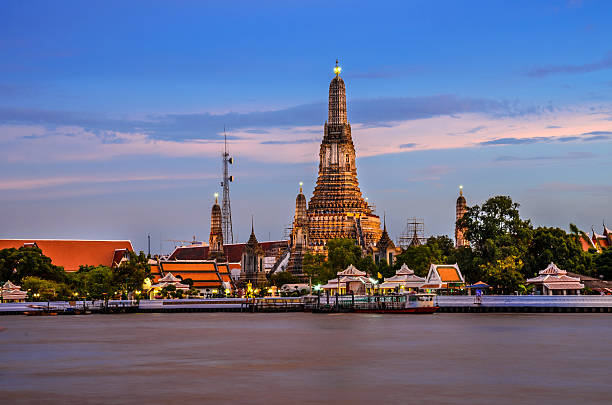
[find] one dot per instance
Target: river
(291, 358)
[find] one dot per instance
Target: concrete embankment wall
(525, 303)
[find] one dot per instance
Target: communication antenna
(226, 209)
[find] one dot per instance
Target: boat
(403, 303)
(416, 303)
(39, 310)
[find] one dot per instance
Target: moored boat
(419, 303)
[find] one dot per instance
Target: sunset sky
(112, 113)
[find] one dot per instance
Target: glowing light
(460, 187)
(301, 184)
(337, 70)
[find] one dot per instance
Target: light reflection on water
(300, 358)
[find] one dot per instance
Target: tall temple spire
(337, 208)
(460, 210)
(298, 243)
(337, 99)
(215, 241)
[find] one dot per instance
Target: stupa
(337, 209)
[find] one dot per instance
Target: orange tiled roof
(70, 254)
(448, 274)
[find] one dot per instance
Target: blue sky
(112, 113)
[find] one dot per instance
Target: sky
(112, 113)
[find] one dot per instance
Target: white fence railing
(524, 301)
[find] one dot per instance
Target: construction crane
(178, 242)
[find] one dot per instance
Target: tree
(283, 277)
(555, 245)
(47, 290)
(504, 275)
(341, 253)
(437, 249)
(99, 282)
(496, 230)
(16, 264)
(603, 264)
(130, 275)
(168, 291)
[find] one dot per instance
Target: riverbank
(451, 304)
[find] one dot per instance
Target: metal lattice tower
(226, 208)
(414, 233)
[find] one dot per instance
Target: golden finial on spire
(301, 184)
(460, 190)
(216, 198)
(337, 69)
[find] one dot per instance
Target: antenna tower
(226, 209)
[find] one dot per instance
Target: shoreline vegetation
(504, 251)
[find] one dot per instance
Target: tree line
(36, 274)
(504, 251)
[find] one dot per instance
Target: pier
(322, 304)
(524, 303)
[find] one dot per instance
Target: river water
(306, 358)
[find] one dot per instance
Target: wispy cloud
(292, 142)
(604, 63)
(586, 136)
(377, 112)
(568, 156)
(45, 182)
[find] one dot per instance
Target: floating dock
(525, 303)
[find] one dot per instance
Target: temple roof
(70, 254)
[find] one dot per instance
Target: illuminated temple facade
(337, 209)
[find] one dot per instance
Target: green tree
(437, 249)
(130, 274)
(603, 264)
(316, 267)
(283, 277)
(555, 245)
(341, 253)
(504, 275)
(99, 283)
(16, 264)
(496, 229)
(47, 290)
(168, 291)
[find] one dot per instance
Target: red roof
(70, 254)
(233, 251)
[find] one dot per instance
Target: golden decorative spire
(460, 190)
(337, 69)
(216, 198)
(301, 187)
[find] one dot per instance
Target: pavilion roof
(564, 286)
(404, 270)
(169, 278)
(552, 269)
(352, 271)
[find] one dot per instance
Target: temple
(215, 241)
(337, 209)
(460, 210)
